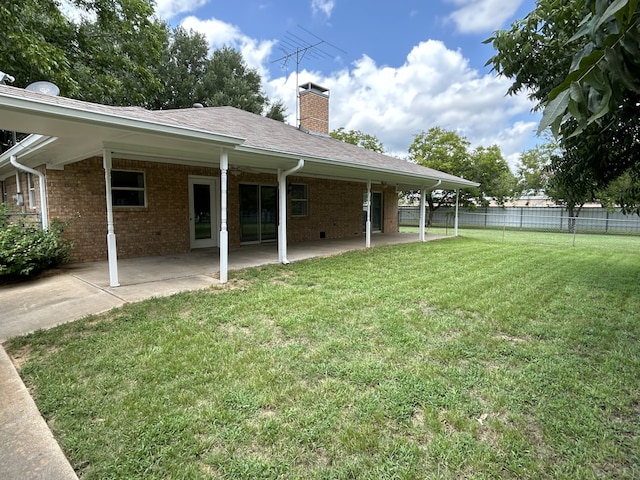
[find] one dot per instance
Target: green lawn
(462, 358)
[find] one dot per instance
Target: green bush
(26, 249)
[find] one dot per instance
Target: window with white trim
(299, 199)
(127, 189)
(31, 189)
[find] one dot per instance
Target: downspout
(423, 208)
(282, 210)
(43, 194)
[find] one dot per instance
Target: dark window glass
(127, 189)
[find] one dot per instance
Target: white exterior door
(204, 223)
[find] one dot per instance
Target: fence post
(504, 225)
(575, 229)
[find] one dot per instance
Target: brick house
(165, 182)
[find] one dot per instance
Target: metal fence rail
(547, 219)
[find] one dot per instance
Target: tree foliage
(356, 137)
(447, 151)
(120, 53)
(580, 60)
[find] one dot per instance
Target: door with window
(376, 212)
(258, 213)
(203, 217)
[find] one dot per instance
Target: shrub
(26, 249)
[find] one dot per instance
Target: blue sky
(392, 68)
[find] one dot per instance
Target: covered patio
(77, 290)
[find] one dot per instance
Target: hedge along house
(163, 182)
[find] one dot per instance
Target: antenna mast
(296, 47)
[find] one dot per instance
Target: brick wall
(314, 112)
(77, 195)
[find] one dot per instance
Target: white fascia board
(113, 120)
(419, 179)
(30, 144)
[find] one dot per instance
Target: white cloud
(434, 87)
(170, 8)
(219, 34)
(481, 16)
(323, 6)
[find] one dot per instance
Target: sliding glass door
(258, 213)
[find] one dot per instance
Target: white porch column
(224, 233)
(423, 213)
(282, 211)
(368, 223)
(455, 221)
(112, 251)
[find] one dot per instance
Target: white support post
(423, 213)
(368, 223)
(112, 250)
(282, 218)
(224, 234)
(455, 221)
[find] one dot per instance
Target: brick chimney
(314, 108)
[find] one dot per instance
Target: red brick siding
(314, 112)
(77, 194)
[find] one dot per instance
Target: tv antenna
(296, 47)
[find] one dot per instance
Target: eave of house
(70, 130)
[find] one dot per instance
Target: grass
(462, 358)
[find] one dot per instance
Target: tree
(229, 81)
(356, 137)
(580, 61)
(448, 152)
(545, 168)
(35, 39)
(276, 110)
(182, 69)
(488, 167)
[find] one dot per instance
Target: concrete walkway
(29, 450)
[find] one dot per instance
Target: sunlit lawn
(461, 358)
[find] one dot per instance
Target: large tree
(447, 151)
(182, 68)
(580, 60)
(229, 81)
(36, 38)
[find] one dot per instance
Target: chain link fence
(554, 221)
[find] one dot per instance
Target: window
(127, 189)
(32, 191)
(299, 200)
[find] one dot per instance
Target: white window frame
(31, 190)
(302, 201)
(142, 189)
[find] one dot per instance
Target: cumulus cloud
(434, 87)
(482, 16)
(323, 6)
(220, 34)
(170, 8)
